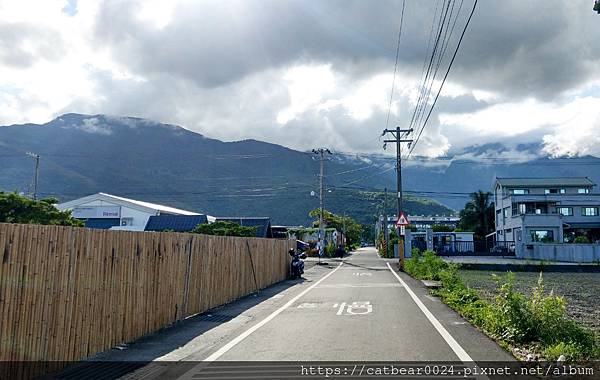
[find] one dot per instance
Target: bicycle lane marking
(220, 352)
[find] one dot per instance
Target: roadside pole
(36, 157)
(321, 152)
(385, 225)
(398, 135)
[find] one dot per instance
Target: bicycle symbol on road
(355, 308)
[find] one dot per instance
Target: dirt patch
(580, 290)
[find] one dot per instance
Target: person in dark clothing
(340, 251)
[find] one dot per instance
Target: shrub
(15, 208)
(426, 267)
(514, 321)
(538, 321)
(581, 240)
(330, 250)
(225, 228)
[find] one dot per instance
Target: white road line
(458, 350)
(217, 354)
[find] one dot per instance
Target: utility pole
(36, 157)
(398, 138)
(321, 153)
(385, 224)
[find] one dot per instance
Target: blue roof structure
(263, 224)
(177, 223)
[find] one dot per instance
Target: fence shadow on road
(129, 357)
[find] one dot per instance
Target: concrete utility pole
(398, 135)
(321, 153)
(385, 224)
(36, 157)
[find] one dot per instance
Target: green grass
(512, 318)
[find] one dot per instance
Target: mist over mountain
(448, 179)
(141, 159)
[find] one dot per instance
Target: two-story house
(545, 210)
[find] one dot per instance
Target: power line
(440, 56)
(445, 77)
(422, 90)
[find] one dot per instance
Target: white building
(108, 211)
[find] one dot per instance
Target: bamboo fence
(67, 293)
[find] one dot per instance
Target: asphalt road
(356, 309)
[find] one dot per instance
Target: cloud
(304, 73)
(93, 126)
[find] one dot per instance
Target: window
(583, 191)
(589, 211)
(520, 191)
(506, 212)
(554, 191)
(566, 211)
(562, 191)
(543, 236)
(522, 208)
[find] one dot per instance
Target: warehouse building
(106, 211)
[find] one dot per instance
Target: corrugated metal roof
(545, 182)
(177, 223)
(263, 224)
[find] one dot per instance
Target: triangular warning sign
(402, 220)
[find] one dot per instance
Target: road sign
(402, 220)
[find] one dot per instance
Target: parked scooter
(297, 265)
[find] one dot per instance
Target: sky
(309, 73)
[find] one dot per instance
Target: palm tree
(478, 214)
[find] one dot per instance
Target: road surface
(356, 309)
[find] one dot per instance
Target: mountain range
(167, 164)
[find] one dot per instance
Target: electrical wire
(444, 80)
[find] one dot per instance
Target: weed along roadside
(531, 328)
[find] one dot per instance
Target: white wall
(140, 218)
(574, 253)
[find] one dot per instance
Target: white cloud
(307, 85)
(157, 12)
(296, 73)
(579, 134)
(92, 125)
